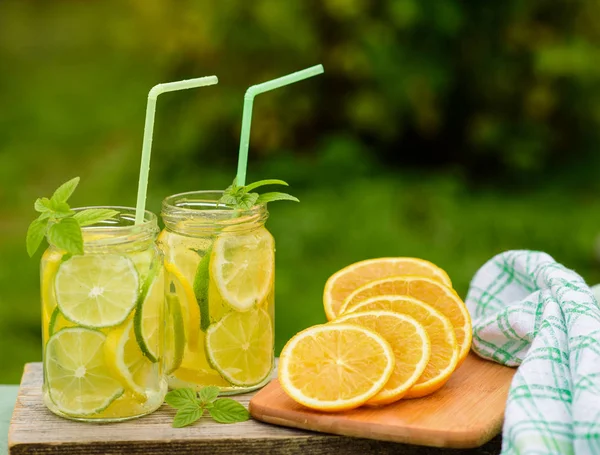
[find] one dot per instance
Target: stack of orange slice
(397, 330)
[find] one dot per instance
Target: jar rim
(127, 214)
(201, 210)
(193, 202)
(120, 230)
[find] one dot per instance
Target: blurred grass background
(441, 129)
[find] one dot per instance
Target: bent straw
(247, 113)
(149, 129)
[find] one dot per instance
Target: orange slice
(341, 284)
(335, 367)
(410, 344)
(444, 350)
(429, 291)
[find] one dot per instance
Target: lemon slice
(97, 290)
(342, 283)
(410, 343)
(174, 334)
(444, 349)
(126, 406)
(50, 263)
(335, 367)
(196, 379)
(184, 252)
(242, 266)
(149, 316)
(432, 292)
(240, 347)
(190, 311)
(77, 376)
(127, 362)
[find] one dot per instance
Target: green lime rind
(138, 317)
(175, 335)
(52, 323)
(201, 285)
(50, 380)
(111, 268)
(55, 319)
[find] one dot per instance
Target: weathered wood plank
(35, 430)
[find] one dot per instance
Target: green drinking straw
(149, 129)
(247, 113)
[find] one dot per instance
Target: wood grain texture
(467, 412)
(34, 430)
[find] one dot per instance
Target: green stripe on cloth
(530, 312)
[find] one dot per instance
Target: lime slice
(240, 347)
(77, 375)
(97, 290)
(127, 362)
(242, 266)
(149, 314)
(174, 335)
(58, 322)
(189, 308)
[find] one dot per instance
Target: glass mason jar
(103, 322)
(220, 265)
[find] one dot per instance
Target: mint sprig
(60, 224)
(241, 197)
(191, 406)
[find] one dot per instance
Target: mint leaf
(42, 205)
(187, 415)
(35, 235)
(226, 410)
(254, 185)
(60, 210)
(270, 197)
(66, 234)
(64, 192)
(246, 201)
(228, 199)
(92, 216)
(208, 394)
(240, 197)
(180, 398)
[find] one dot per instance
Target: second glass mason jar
(103, 322)
(220, 268)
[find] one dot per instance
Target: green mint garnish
(191, 406)
(59, 223)
(240, 197)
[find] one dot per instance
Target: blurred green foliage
(442, 129)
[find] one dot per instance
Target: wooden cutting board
(467, 412)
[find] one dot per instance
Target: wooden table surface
(153, 434)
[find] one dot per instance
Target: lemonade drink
(102, 315)
(219, 264)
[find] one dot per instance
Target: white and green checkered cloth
(532, 312)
